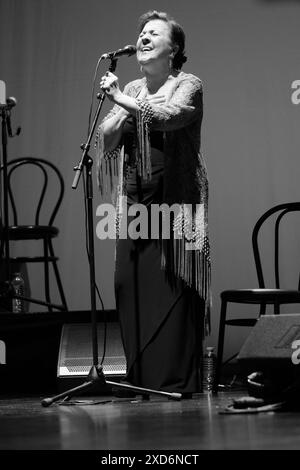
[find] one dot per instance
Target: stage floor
(131, 424)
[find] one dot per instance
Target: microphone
(8, 103)
(127, 50)
(11, 102)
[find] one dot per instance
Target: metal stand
(96, 375)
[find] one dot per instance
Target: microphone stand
(6, 289)
(95, 376)
(4, 116)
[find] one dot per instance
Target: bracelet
(146, 111)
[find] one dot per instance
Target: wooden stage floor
(131, 424)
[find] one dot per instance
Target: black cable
(86, 217)
(92, 95)
(89, 261)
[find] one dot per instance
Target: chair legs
(46, 275)
(48, 249)
(276, 308)
(221, 343)
(57, 276)
(221, 337)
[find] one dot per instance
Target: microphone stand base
(96, 378)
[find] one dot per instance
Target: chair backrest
(278, 214)
(45, 168)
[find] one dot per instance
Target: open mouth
(146, 49)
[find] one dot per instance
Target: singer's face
(154, 43)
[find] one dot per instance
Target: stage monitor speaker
(271, 346)
(76, 357)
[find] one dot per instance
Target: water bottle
(18, 285)
(209, 369)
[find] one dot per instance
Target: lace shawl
(187, 254)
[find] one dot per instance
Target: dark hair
(177, 33)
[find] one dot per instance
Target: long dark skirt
(161, 324)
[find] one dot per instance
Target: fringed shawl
(187, 254)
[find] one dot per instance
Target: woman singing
(151, 138)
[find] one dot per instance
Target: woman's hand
(109, 83)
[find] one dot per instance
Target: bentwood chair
(263, 295)
(45, 185)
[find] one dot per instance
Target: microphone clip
(8, 124)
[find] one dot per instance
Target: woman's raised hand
(109, 83)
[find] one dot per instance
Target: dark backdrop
(247, 54)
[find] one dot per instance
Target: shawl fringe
(108, 167)
(186, 254)
(144, 147)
